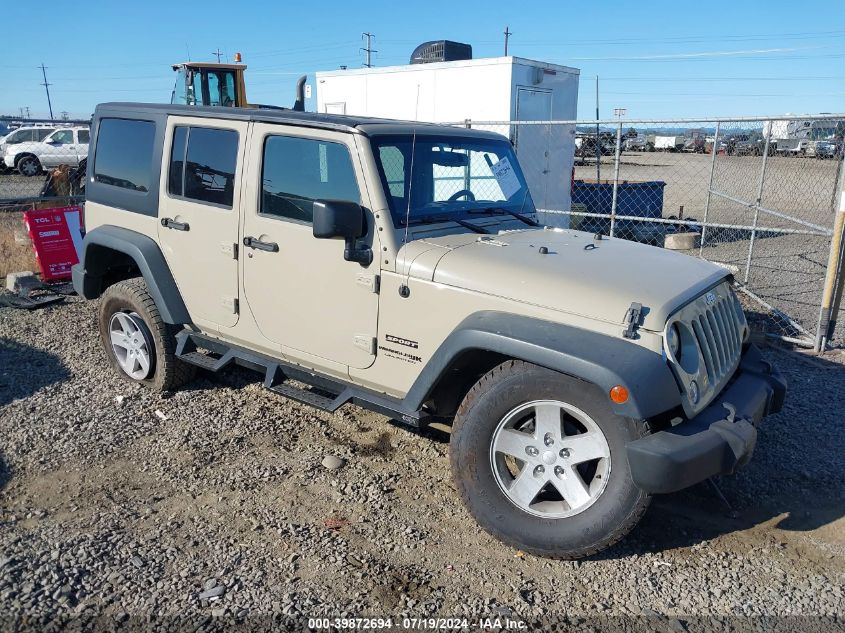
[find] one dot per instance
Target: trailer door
(532, 141)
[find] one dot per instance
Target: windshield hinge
(632, 320)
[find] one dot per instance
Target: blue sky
(657, 59)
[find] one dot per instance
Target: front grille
(712, 329)
(719, 337)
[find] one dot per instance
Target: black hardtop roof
(367, 126)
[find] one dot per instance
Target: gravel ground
(211, 506)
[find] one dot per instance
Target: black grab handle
(270, 247)
(173, 224)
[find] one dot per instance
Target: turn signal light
(619, 394)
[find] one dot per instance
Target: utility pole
(218, 52)
(47, 88)
(598, 143)
(369, 50)
(28, 115)
(508, 33)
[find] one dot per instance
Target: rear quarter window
(124, 153)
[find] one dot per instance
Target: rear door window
(84, 136)
(202, 164)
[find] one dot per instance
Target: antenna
(369, 49)
(46, 87)
(508, 33)
(404, 291)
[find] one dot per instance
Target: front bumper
(718, 440)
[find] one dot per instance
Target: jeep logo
(710, 298)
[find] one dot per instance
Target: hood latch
(632, 320)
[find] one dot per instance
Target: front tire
(140, 346)
(539, 460)
(28, 166)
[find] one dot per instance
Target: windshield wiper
(431, 219)
(501, 210)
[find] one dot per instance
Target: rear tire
(140, 346)
(585, 498)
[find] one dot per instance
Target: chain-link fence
(42, 161)
(756, 195)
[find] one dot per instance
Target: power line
(369, 50)
(672, 40)
(46, 87)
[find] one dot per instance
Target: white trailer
(503, 89)
(668, 143)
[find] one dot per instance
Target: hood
(598, 279)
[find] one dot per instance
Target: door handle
(270, 247)
(169, 223)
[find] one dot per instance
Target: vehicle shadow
(795, 481)
(24, 370)
(5, 472)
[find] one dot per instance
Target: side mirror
(345, 220)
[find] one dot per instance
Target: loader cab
(209, 84)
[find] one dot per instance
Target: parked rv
(668, 143)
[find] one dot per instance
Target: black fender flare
(95, 263)
(595, 358)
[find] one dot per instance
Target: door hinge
(365, 342)
(368, 280)
(231, 303)
(229, 248)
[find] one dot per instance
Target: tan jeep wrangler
(400, 267)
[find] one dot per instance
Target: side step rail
(186, 350)
(330, 396)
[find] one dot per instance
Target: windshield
(451, 178)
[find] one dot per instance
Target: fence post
(757, 203)
(615, 178)
(835, 274)
(714, 151)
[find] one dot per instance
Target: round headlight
(673, 340)
(694, 393)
